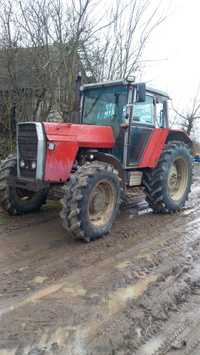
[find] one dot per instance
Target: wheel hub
(177, 179)
(173, 178)
(101, 203)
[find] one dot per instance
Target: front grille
(27, 148)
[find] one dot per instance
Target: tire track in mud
(180, 340)
(124, 260)
(95, 309)
(180, 335)
(144, 251)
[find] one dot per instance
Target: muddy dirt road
(137, 291)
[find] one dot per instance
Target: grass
(4, 219)
(52, 205)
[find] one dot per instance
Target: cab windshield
(104, 106)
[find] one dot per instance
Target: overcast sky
(176, 46)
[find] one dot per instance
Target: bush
(7, 146)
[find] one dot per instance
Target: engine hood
(90, 136)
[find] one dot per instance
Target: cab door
(141, 126)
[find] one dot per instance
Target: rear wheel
(168, 185)
(14, 200)
(91, 201)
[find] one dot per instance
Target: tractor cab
(133, 110)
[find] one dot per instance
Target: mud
(137, 291)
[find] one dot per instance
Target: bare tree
(188, 117)
(120, 47)
(48, 36)
(48, 42)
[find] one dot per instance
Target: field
(137, 291)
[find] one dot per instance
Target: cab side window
(143, 112)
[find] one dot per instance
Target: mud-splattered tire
(168, 185)
(17, 201)
(91, 201)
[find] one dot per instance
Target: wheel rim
(178, 179)
(102, 202)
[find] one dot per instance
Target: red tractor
(123, 141)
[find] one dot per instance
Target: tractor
(122, 142)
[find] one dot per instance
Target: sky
(175, 47)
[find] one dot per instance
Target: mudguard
(67, 138)
(156, 142)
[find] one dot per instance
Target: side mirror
(141, 92)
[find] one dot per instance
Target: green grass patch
(4, 219)
(52, 205)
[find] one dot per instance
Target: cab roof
(123, 82)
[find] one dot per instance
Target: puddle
(145, 211)
(74, 340)
(119, 298)
(147, 256)
(114, 303)
(34, 298)
(39, 279)
(195, 221)
(150, 347)
(123, 265)
(139, 212)
(21, 269)
(8, 352)
(75, 291)
(187, 211)
(59, 337)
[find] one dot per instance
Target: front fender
(107, 158)
(59, 161)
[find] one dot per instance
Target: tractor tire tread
(153, 180)
(74, 192)
(7, 168)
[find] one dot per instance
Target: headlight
(22, 163)
(51, 146)
(33, 165)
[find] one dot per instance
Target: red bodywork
(68, 138)
(154, 148)
(156, 142)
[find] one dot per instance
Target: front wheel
(91, 201)
(13, 200)
(168, 185)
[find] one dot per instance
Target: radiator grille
(27, 148)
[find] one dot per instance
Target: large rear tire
(91, 201)
(13, 200)
(168, 185)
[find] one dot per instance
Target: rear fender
(158, 139)
(154, 148)
(179, 136)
